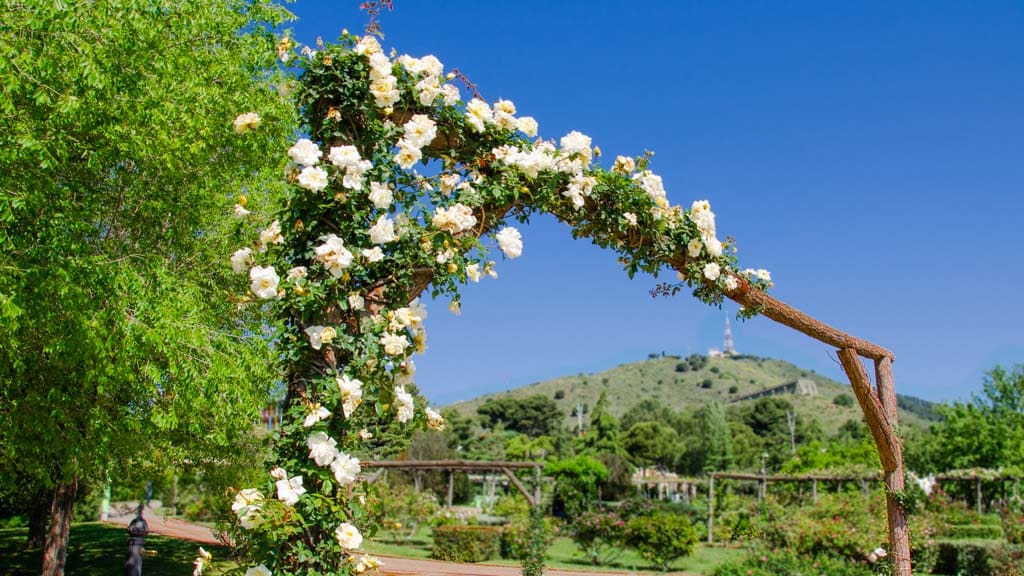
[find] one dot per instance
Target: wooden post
(536, 485)
(711, 510)
(977, 493)
(880, 410)
(814, 490)
(451, 486)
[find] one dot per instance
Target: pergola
(452, 466)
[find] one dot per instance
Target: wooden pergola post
(711, 510)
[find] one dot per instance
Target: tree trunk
(38, 515)
(60, 525)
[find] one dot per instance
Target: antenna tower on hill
(730, 349)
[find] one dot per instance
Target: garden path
(393, 566)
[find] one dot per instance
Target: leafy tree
(646, 410)
(534, 416)
(651, 444)
(118, 169)
(576, 483)
(603, 435)
(716, 439)
(988, 431)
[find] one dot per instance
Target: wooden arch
(330, 82)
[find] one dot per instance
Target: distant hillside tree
(646, 410)
(534, 416)
(652, 444)
(715, 437)
(988, 431)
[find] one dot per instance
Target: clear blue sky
(871, 155)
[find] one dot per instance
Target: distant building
(801, 387)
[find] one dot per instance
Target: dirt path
(392, 565)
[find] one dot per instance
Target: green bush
(983, 531)
(840, 525)
(661, 537)
(976, 558)
(599, 535)
(1013, 526)
(466, 543)
(783, 562)
(515, 536)
(844, 400)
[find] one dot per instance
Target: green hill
(686, 383)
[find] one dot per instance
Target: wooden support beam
(711, 510)
(895, 479)
(519, 486)
(885, 437)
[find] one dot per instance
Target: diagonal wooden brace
(885, 436)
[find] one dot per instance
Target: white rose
(315, 414)
(348, 536)
(454, 219)
(333, 254)
(351, 390)
(322, 448)
(271, 235)
(313, 178)
(712, 271)
(479, 114)
(434, 419)
(405, 404)
(288, 491)
(320, 335)
(394, 344)
(246, 122)
(420, 131)
(527, 125)
(731, 284)
(344, 156)
(356, 302)
(264, 282)
(241, 260)
(450, 94)
(305, 152)
(381, 195)
(374, 254)
(345, 468)
(713, 245)
(408, 155)
(510, 241)
(383, 231)
(473, 272)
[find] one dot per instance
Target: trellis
(452, 466)
(764, 479)
(341, 112)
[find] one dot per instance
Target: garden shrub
(840, 525)
(783, 562)
(976, 557)
(516, 535)
(599, 535)
(466, 543)
(1013, 526)
(983, 531)
(1008, 560)
(661, 537)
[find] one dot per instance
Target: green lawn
(563, 554)
(97, 549)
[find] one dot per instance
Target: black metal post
(137, 530)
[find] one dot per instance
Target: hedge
(466, 543)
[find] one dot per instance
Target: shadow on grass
(96, 549)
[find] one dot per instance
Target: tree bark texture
(880, 411)
(55, 553)
(38, 516)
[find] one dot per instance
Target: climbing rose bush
(407, 181)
